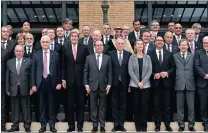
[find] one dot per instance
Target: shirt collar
(99, 54)
(48, 51)
(61, 39)
(183, 53)
(119, 52)
(159, 50)
(136, 32)
(146, 45)
(4, 41)
(106, 36)
(19, 59)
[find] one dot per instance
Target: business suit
(120, 86)
(46, 87)
(90, 44)
(29, 55)
(162, 87)
(201, 61)
(150, 48)
(109, 46)
(140, 95)
(4, 58)
(185, 87)
(72, 73)
(175, 40)
(57, 47)
(132, 38)
(10, 48)
(197, 46)
(18, 85)
(98, 78)
(173, 48)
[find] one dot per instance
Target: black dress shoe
(42, 130)
(80, 130)
(122, 129)
(94, 130)
(27, 130)
(70, 129)
(191, 129)
(206, 128)
(102, 130)
(157, 129)
(53, 130)
(138, 130)
(181, 129)
(144, 129)
(115, 129)
(13, 129)
(168, 128)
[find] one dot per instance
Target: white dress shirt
(48, 60)
(146, 48)
(27, 49)
(5, 44)
(104, 38)
(100, 59)
(53, 42)
(185, 55)
(135, 33)
(85, 39)
(170, 46)
(62, 40)
(157, 52)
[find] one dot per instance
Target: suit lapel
(156, 58)
(116, 58)
(136, 61)
(180, 57)
(103, 61)
(14, 66)
(79, 49)
(164, 56)
(71, 52)
(188, 56)
(96, 61)
(124, 57)
(22, 64)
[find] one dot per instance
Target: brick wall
(119, 14)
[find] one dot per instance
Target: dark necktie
(98, 61)
(2, 45)
(120, 58)
(207, 53)
(85, 41)
(183, 57)
(61, 42)
(106, 40)
(192, 48)
(160, 57)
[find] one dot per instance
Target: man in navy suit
(149, 47)
(201, 60)
(168, 37)
(45, 80)
(136, 33)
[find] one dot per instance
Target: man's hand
(31, 92)
(157, 76)
(64, 84)
(8, 93)
(107, 90)
(141, 85)
(58, 87)
(164, 74)
(206, 76)
(88, 90)
(34, 89)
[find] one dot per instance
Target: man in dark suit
(72, 62)
(6, 43)
(96, 36)
(185, 85)
(162, 83)
(136, 33)
(18, 87)
(29, 49)
(4, 58)
(193, 46)
(121, 78)
(201, 60)
(168, 43)
(60, 36)
(45, 80)
(54, 46)
(98, 81)
(178, 34)
(198, 35)
(87, 38)
(149, 47)
(107, 38)
(171, 26)
(155, 27)
(67, 25)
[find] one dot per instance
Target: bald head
(96, 36)
(168, 37)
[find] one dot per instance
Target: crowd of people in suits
(100, 68)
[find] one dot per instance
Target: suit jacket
(175, 48)
(200, 39)
(29, 55)
(37, 69)
(89, 45)
(198, 46)
(151, 48)
(132, 37)
(10, 48)
(98, 78)
(73, 71)
(110, 46)
(175, 40)
(24, 77)
(167, 65)
(184, 72)
(57, 46)
(159, 33)
(4, 58)
(120, 70)
(134, 71)
(201, 63)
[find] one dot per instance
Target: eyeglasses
(29, 38)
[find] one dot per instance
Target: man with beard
(29, 49)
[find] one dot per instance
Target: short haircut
(196, 25)
(183, 40)
(20, 35)
(136, 20)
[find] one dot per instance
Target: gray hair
(189, 30)
(45, 36)
(205, 38)
(196, 25)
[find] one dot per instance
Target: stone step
(63, 126)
